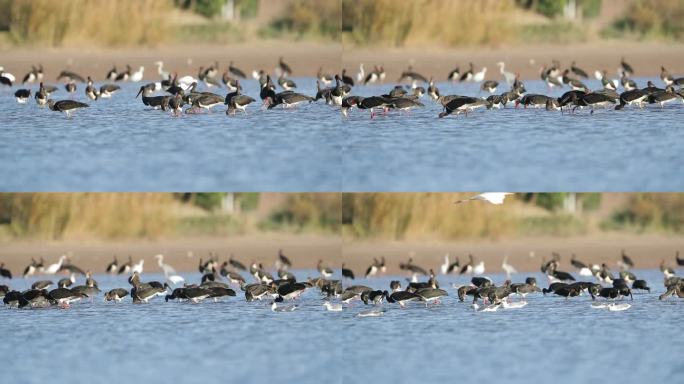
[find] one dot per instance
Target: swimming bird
(285, 308)
(70, 87)
(489, 86)
(64, 297)
(22, 95)
(107, 90)
(67, 281)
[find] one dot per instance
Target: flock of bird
(222, 279)
(336, 89)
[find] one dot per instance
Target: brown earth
(645, 58)
(303, 250)
(304, 58)
(525, 255)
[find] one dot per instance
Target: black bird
(680, 262)
(65, 106)
(284, 68)
(113, 267)
(626, 68)
(4, 272)
(347, 79)
(641, 284)
(70, 76)
(348, 273)
(236, 71)
(284, 261)
(22, 95)
(116, 294)
(578, 71)
(626, 260)
(126, 267)
(236, 264)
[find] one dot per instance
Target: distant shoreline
(304, 57)
(645, 57)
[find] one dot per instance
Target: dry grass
(447, 23)
(105, 22)
(56, 216)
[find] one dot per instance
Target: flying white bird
(496, 198)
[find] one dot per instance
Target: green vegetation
(307, 18)
(306, 211)
(650, 213)
(651, 19)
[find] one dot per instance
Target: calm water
(530, 150)
(549, 339)
(120, 144)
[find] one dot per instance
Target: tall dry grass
(437, 22)
(423, 216)
(56, 216)
(104, 22)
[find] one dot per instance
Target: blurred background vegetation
(393, 216)
(423, 216)
(60, 216)
(494, 22)
(151, 22)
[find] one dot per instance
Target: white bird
(480, 76)
(186, 82)
(361, 75)
(479, 269)
(445, 267)
(286, 308)
(138, 267)
(54, 268)
(496, 198)
(332, 307)
(169, 273)
(137, 75)
(509, 269)
(160, 70)
(508, 76)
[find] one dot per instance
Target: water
(551, 339)
(231, 341)
(516, 150)
(121, 145)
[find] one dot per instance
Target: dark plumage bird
(236, 71)
(347, 79)
(578, 71)
(4, 272)
(348, 273)
(66, 106)
(116, 294)
(236, 264)
(70, 76)
(626, 68)
(22, 95)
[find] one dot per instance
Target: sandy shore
(303, 250)
(646, 58)
(304, 58)
(647, 251)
